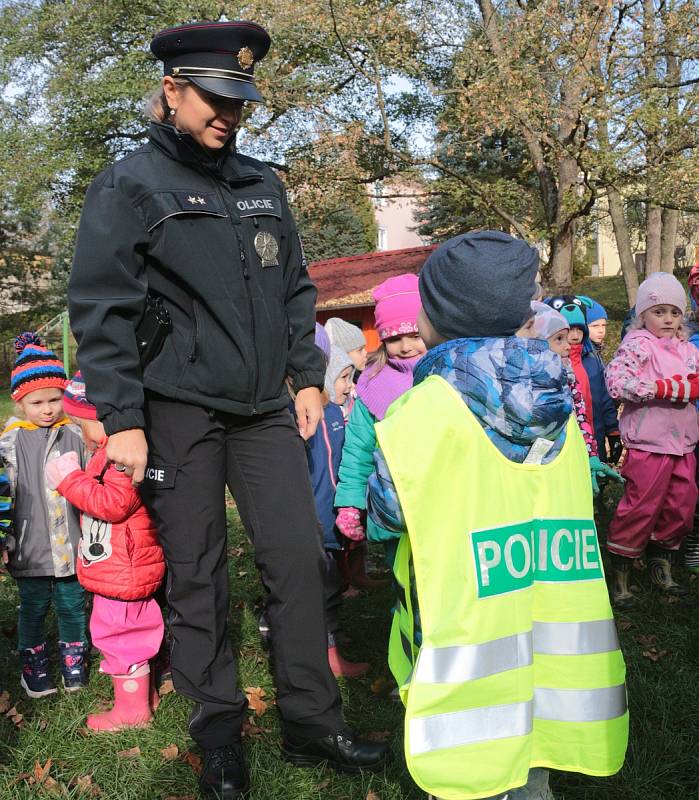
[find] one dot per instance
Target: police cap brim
(222, 87)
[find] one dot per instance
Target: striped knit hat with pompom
(36, 367)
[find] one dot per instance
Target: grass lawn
(660, 642)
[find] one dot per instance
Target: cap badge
(246, 58)
(267, 249)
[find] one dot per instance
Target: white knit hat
(344, 335)
(339, 360)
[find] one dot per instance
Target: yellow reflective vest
(518, 664)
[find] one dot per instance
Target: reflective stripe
(575, 638)
(467, 727)
(580, 705)
(472, 661)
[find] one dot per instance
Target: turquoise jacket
(357, 465)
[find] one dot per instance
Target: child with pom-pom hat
(41, 545)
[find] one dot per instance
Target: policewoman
(188, 224)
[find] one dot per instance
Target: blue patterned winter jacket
(516, 388)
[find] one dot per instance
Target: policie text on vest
(513, 557)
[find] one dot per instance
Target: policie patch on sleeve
(160, 476)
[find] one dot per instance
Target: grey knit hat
(344, 335)
(479, 284)
(339, 360)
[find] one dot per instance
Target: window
(382, 243)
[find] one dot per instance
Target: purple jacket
(656, 426)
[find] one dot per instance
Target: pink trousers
(658, 503)
(127, 633)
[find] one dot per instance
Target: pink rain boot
(131, 703)
(341, 668)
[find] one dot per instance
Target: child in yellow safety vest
(511, 665)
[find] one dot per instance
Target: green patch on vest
(545, 550)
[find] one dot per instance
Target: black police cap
(219, 57)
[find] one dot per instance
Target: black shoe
(224, 775)
(340, 750)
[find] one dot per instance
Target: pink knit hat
(660, 288)
(397, 306)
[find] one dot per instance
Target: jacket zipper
(246, 276)
(195, 344)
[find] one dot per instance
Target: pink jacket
(656, 426)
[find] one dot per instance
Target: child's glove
(59, 468)
(678, 389)
(598, 469)
(615, 447)
(349, 523)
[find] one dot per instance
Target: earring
(172, 112)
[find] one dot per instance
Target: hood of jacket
(516, 388)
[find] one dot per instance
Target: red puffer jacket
(119, 554)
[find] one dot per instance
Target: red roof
(349, 280)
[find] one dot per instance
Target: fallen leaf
(323, 785)
(381, 685)
(15, 716)
(624, 625)
(180, 797)
(86, 733)
(378, 736)
(52, 786)
(654, 654)
(41, 772)
(255, 701)
(371, 795)
(86, 786)
(130, 753)
(4, 702)
(42, 724)
(242, 574)
(647, 640)
(237, 552)
(166, 687)
(170, 753)
(23, 776)
(251, 729)
(193, 760)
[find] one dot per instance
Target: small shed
(345, 284)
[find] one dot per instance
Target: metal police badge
(267, 249)
(246, 57)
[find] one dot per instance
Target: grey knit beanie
(339, 360)
(344, 335)
(479, 284)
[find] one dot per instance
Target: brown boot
(622, 596)
(660, 564)
(357, 571)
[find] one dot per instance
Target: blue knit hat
(595, 311)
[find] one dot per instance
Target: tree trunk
(623, 244)
(654, 227)
(668, 239)
(561, 264)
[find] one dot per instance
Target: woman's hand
(129, 448)
(309, 411)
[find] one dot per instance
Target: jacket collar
(183, 148)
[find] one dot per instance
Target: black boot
(341, 751)
(660, 564)
(622, 597)
(224, 776)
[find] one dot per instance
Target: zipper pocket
(194, 354)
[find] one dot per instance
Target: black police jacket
(216, 240)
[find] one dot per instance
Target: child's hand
(59, 468)
(349, 523)
(5, 556)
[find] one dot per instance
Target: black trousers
(193, 454)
